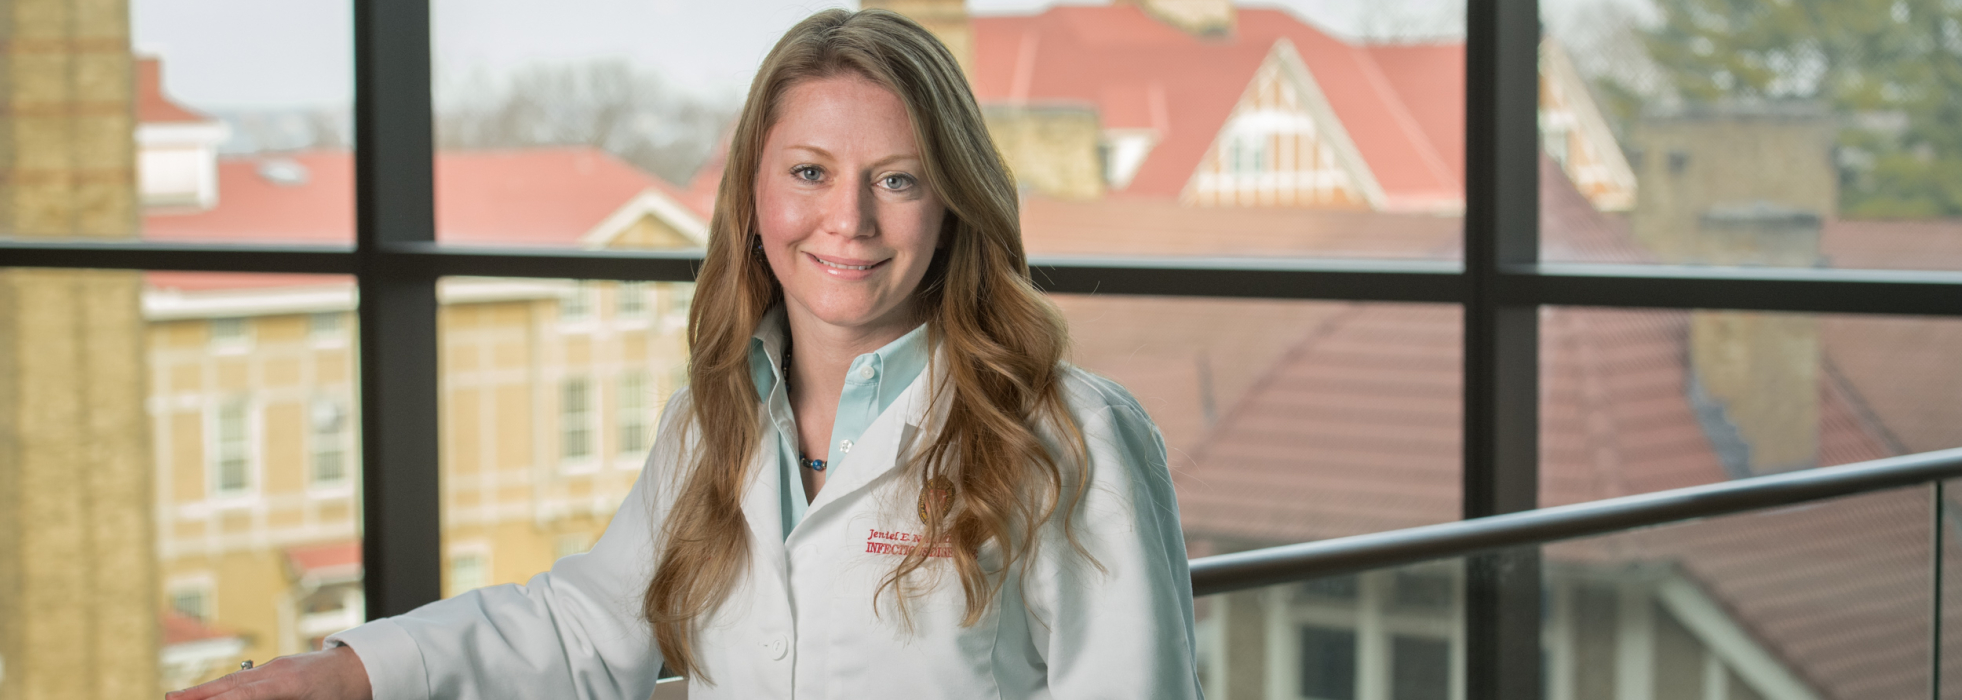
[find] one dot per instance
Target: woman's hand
(333, 674)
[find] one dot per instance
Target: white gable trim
(1558, 69)
(649, 202)
(1711, 623)
(1330, 130)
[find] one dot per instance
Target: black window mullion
(1501, 379)
(394, 181)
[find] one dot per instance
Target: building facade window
(1381, 635)
(575, 419)
(327, 427)
(192, 600)
(680, 296)
(231, 335)
(577, 306)
(469, 568)
(326, 327)
(630, 299)
(231, 447)
(633, 412)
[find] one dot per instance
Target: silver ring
(246, 666)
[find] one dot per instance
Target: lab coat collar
(886, 445)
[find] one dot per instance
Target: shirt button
(845, 446)
(778, 648)
(867, 372)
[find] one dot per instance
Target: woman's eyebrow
(877, 163)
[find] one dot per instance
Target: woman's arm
(1121, 626)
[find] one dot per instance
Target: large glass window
(1801, 134)
(546, 425)
(1638, 400)
(1759, 605)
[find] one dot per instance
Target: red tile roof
(179, 628)
(152, 106)
(1355, 428)
(539, 196)
(331, 555)
(1403, 106)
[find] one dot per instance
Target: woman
(882, 482)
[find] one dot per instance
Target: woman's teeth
(828, 263)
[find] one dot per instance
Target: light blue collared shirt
(873, 382)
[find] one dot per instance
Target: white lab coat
(801, 623)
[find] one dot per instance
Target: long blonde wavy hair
(1000, 339)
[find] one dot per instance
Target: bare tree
(607, 104)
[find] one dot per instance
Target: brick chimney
(1743, 185)
(947, 19)
(1756, 374)
(1196, 16)
(79, 597)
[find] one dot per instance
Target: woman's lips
(847, 268)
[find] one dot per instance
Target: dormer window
(284, 172)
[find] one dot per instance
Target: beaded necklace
(816, 465)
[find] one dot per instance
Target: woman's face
(848, 222)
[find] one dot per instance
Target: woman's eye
(897, 182)
(807, 173)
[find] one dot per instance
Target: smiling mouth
(841, 266)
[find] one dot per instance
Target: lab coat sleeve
(1119, 623)
(573, 631)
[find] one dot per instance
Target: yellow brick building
(550, 392)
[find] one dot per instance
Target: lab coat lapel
(878, 451)
(762, 508)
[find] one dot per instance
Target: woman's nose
(848, 212)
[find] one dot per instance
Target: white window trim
(343, 486)
(595, 427)
(230, 346)
(214, 492)
(635, 318)
(1375, 625)
(640, 414)
(334, 340)
(586, 322)
(467, 548)
(203, 582)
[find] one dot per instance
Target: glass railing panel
(1639, 400)
(1288, 421)
(551, 391)
(1951, 620)
(181, 478)
(1394, 634)
(1749, 134)
(1825, 600)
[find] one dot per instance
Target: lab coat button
(778, 648)
(866, 372)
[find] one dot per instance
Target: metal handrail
(1226, 573)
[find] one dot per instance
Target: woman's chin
(854, 315)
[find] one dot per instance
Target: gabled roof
(538, 197)
(152, 105)
(1403, 106)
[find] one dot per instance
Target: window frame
(1500, 283)
(247, 443)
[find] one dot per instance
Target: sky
(278, 54)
